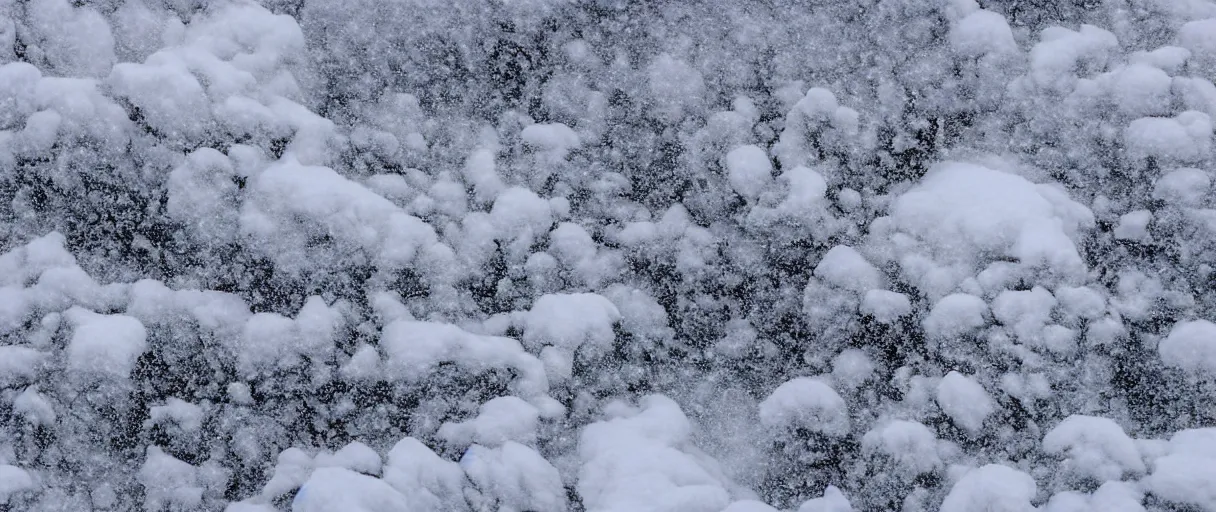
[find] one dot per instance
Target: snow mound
(13, 480)
(1185, 138)
(500, 420)
(832, 501)
(749, 170)
(995, 488)
(427, 480)
(104, 345)
(843, 266)
(641, 462)
(1191, 346)
(965, 401)
(955, 315)
(909, 444)
(966, 211)
(514, 477)
(568, 323)
(288, 204)
(1187, 473)
(413, 349)
(333, 488)
(1095, 447)
(806, 403)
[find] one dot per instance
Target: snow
(550, 137)
(993, 487)
(34, 408)
(635, 462)
(1186, 474)
(104, 345)
(968, 209)
(808, 403)
(1191, 346)
(749, 170)
(1197, 36)
(982, 32)
(1094, 447)
(910, 445)
(13, 480)
(271, 340)
(518, 210)
(886, 306)
(515, 477)
(851, 368)
(412, 349)
(749, 506)
(20, 365)
(1141, 90)
(571, 321)
(355, 456)
(956, 314)
(318, 196)
(1186, 187)
(1184, 138)
(169, 482)
(185, 415)
(1134, 226)
(843, 266)
(428, 481)
(342, 489)
(965, 401)
(661, 259)
(832, 501)
(498, 421)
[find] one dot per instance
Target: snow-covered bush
(607, 255)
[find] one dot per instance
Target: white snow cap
(965, 401)
(515, 477)
(982, 32)
(955, 315)
(749, 170)
(909, 444)
(13, 480)
(806, 402)
(886, 306)
(1187, 187)
(334, 488)
(995, 488)
(1191, 346)
(498, 421)
(1187, 473)
(832, 501)
(104, 345)
(551, 136)
(964, 210)
(1184, 138)
(843, 266)
(428, 481)
(1095, 447)
(571, 320)
(642, 461)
